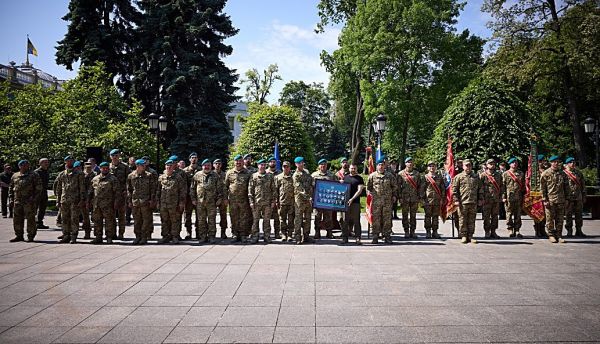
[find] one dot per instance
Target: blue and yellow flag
(31, 49)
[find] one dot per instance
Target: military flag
(448, 177)
(533, 205)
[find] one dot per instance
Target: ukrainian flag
(31, 49)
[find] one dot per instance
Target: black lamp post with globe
(159, 125)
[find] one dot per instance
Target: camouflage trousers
(382, 219)
(103, 215)
(189, 209)
(490, 212)
(70, 219)
(302, 213)
(286, 219)
(323, 221)
(513, 215)
(121, 213)
(466, 219)
(142, 217)
(352, 221)
(555, 214)
(241, 215)
(170, 222)
(85, 215)
(409, 216)
(264, 211)
(222, 217)
(574, 210)
(22, 212)
(276, 222)
(432, 217)
(206, 220)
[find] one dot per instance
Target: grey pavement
(506, 290)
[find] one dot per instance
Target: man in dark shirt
(42, 171)
(5, 176)
(352, 216)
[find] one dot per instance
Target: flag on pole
(277, 156)
(30, 48)
(533, 205)
(448, 177)
(371, 164)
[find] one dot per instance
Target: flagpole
(27, 50)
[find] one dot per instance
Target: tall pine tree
(180, 74)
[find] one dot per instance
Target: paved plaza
(420, 290)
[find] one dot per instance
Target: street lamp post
(379, 127)
(159, 125)
(592, 127)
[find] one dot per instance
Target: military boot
(96, 241)
(435, 234)
(65, 239)
(267, 239)
(277, 235)
(518, 235)
(144, 240)
(569, 232)
(254, 240)
(388, 239)
(17, 239)
(579, 233)
(375, 240)
(344, 240)
(223, 234)
(493, 235)
(472, 241)
(358, 241)
(87, 235)
(109, 241)
(487, 235)
(309, 240)
(406, 234)
(428, 233)
(464, 240)
(73, 239)
(136, 241)
(175, 240)
(413, 234)
(512, 233)
(317, 235)
(163, 241)
(30, 238)
(329, 234)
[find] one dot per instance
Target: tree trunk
(356, 140)
(405, 123)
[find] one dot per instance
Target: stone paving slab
(414, 291)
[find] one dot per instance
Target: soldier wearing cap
(70, 198)
(248, 164)
(493, 189)
(42, 171)
(88, 175)
(540, 227)
(284, 188)
(467, 195)
(189, 172)
(512, 196)
(141, 197)
(170, 195)
(409, 185)
(575, 197)
(262, 196)
(206, 192)
(341, 174)
(351, 225)
(7, 208)
(222, 208)
(148, 168)
(383, 187)
(24, 190)
(236, 196)
(120, 170)
(303, 189)
(272, 169)
(104, 196)
(323, 218)
(555, 190)
(433, 196)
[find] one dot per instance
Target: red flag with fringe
(533, 205)
(371, 164)
(448, 177)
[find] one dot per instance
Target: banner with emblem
(533, 205)
(371, 165)
(448, 177)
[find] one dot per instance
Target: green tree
(269, 124)
(486, 120)
(101, 31)
(258, 86)
(180, 73)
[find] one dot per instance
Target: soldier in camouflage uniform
(493, 189)
(222, 208)
(189, 172)
(284, 187)
(272, 169)
(261, 193)
(433, 196)
(88, 175)
(170, 194)
(409, 185)
(104, 195)
(42, 171)
(120, 170)
(383, 187)
(555, 190)
(540, 227)
(70, 198)
(303, 185)
(513, 195)
(206, 192)
(236, 196)
(575, 197)
(323, 218)
(248, 164)
(141, 197)
(24, 190)
(467, 195)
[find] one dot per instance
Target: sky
(270, 31)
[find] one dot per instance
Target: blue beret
(68, 157)
(540, 157)
(103, 164)
(407, 159)
(174, 157)
(322, 161)
(381, 160)
(77, 163)
(205, 161)
(271, 159)
(193, 154)
(247, 156)
(217, 161)
(237, 157)
(554, 158)
(299, 159)
(169, 162)
(511, 160)
(115, 151)
(343, 159)
(140, 162)
(23, 162)
(569, 159)
(261, 161)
